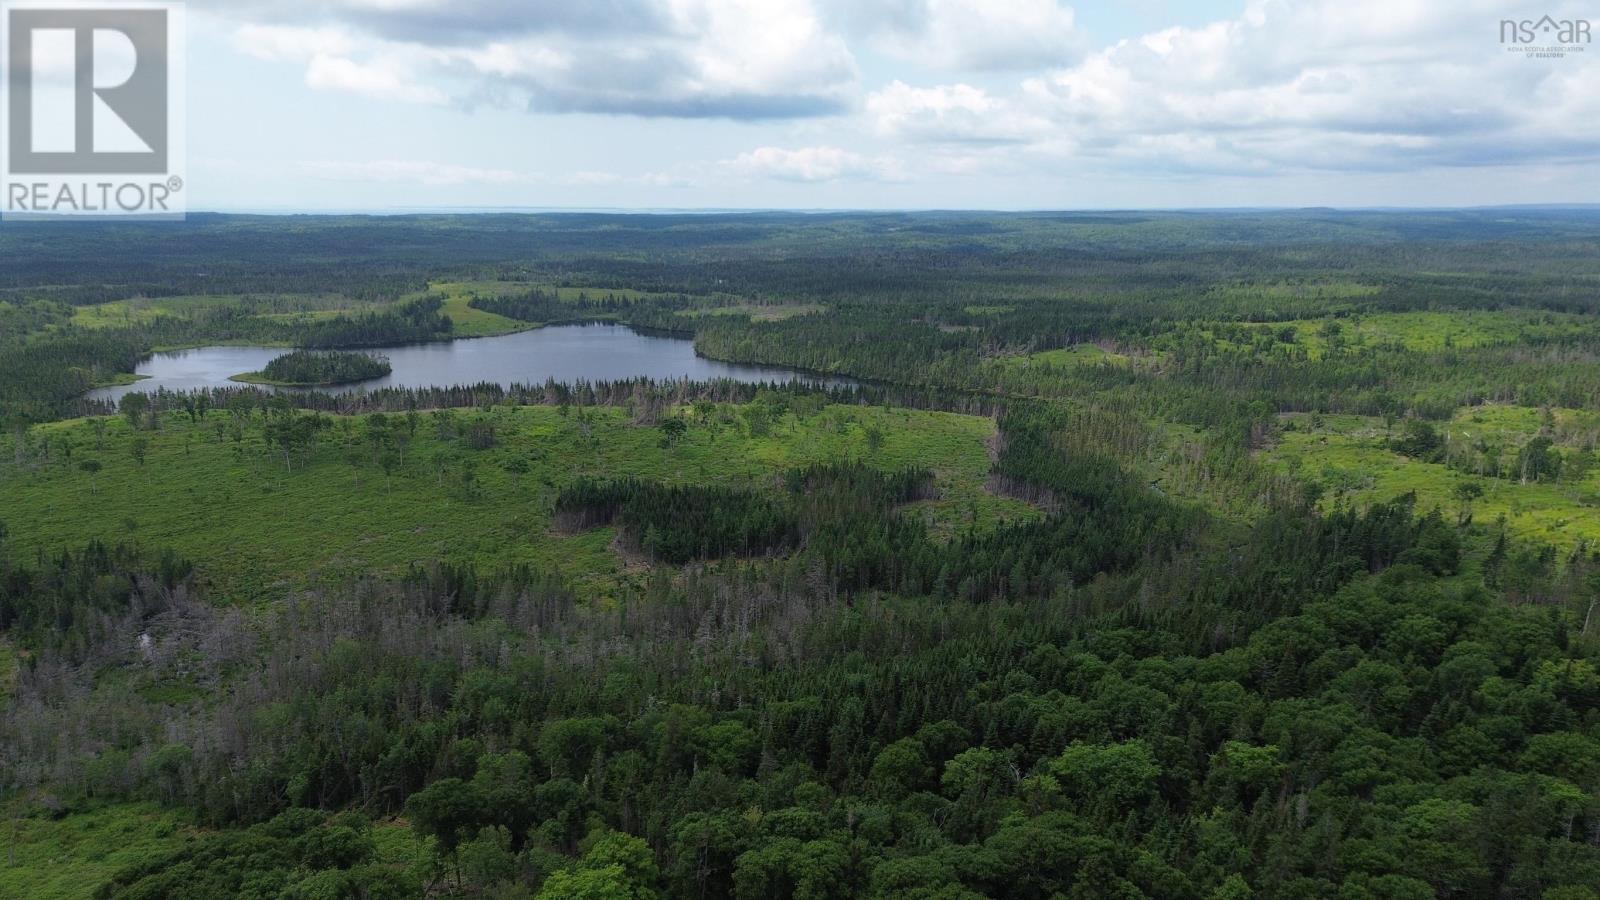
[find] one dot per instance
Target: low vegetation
(375, 493)
(1473, 468)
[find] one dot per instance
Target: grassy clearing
(489, 287)
(1570, 428)
(565, 293)
(1066, 357)
(122, 313)
(253, 527)
(118, 378)
(395, 844)
(308, 316)
(1296, 292)
(466, 321)
(294, 309)
(1348, 454)
(757, 312)
(67, 858)
(290, 309)
(283, 307)
(1429, 332)
(471, 322)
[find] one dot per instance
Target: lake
(593, 352)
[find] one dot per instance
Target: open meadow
(255, 524)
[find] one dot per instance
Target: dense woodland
(324, 367)
(1190, 672)
(1325, 706)
(546, 307)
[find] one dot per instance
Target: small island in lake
(318, 368)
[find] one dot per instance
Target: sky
(830, 104)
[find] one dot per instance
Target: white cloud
(518, 59)
(957, 113)
(982, 34)
(765, 48)
(1290, 85)
(671, 58)
(380, 79)
(1287, 86)
(291, 43)
(335, 59)
(812, 164)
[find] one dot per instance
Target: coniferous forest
(311, 368)
(1166, 555)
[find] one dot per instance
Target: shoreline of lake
(591, 351)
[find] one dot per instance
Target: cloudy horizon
(824, 104)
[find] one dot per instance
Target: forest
(1167, 555)
(311, 367)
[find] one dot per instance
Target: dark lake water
(563, 352)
